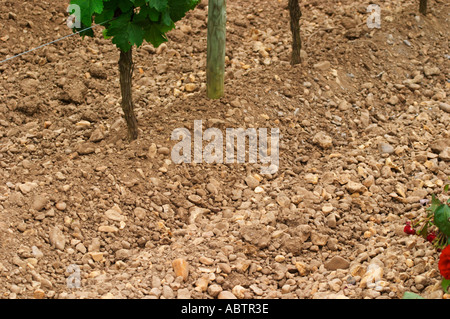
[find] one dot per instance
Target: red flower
(409, 230)
(444, 262)
(431, 236)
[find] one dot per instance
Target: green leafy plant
(411, 295)
(129, 23)
(435, 227)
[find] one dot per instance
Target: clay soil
(364, 136)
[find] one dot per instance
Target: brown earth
(364, 124)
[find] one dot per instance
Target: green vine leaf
(442, 218)
(129, 22)
(435, 203)
(445, 284)
(160, 5)
(88, 8)
(411, 295)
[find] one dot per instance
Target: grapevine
(129, 23)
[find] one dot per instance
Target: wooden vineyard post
(126, 75)
(216, 43)
(129, 23)
(423, 7)
(295, 15)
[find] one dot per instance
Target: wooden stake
(423, 7)
(126, 74)
(295, 14)
(216, 43)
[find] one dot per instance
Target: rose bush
(444, 266)
(435, 228)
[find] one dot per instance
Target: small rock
(344, 105)
(202, 283)
(96, 256)
(420, 280)
(181, 268)
(206, 261)
(123, 254)
(311, 178)
(323, 140)
(386, 148)
(60, 176)
(319, 239)
(214, 290)
(83, 124)
(331, 221)
(22, 227)
(61, 206)
(226, 295)
(353, 34)
(39, 202)
(95, 245)
(39, 294)
(12, 16)
(439, 145)
(283, 200)
(323, 65)
(444, 107)
(57, 238)
(390, 39)
(152, 150)
(409, 262)
(239, 291)
(115, 213)
(97, 135)
(256, 235)
(85, 148)
(236, 103)
(354, 187)
(167, 292)
(327, 208)
(183, 293)
(97, 70)
(445, 154)
(210, 187)
(258, 291)
(15, 289)
(327, 295)
(195, 199)
(27, 187)
(430, 70)
(393, 100)
(335, 284)
(367, 234)
(302, 268)
(140, 213)
(108, 229)
(337, 262)
(226, 268)
(251, 182)
(190, 87)
(36, 252)
(81, 248)
(155, 293)
(259, 190)
(164, 150)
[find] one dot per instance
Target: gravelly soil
(364, 124)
